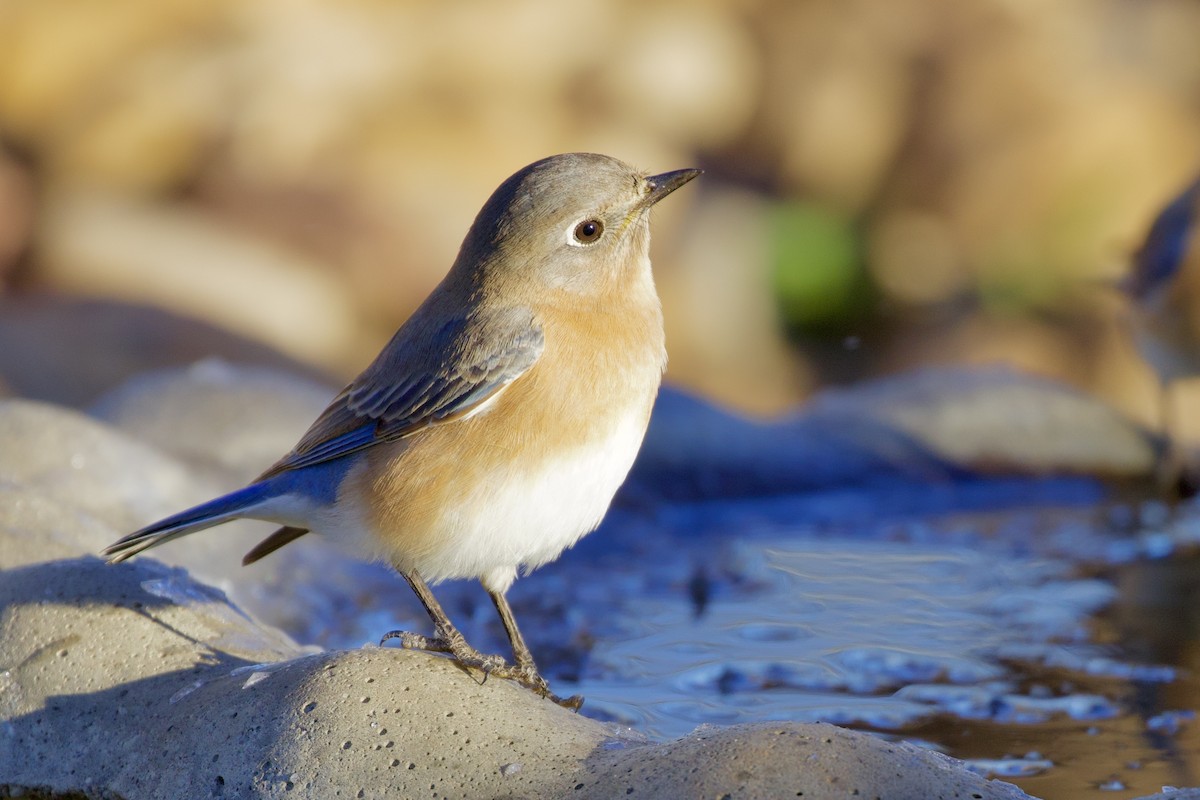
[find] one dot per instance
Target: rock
(70, 350)
(790, 760)
(62, 530)
(164, 690)
(97, 484)
(88, 467)
(932, 427)
(996, 420)
(235, 420)
(82, 484)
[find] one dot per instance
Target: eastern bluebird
(1164, 289)
(493, 430)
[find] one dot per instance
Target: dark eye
(589, 231)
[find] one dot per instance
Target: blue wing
(432, 372)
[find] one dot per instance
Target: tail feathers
(223, 509)
(285, 535)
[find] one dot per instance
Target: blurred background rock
(889, 185)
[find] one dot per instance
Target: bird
(1163, 288)
(494, 428)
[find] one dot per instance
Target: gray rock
(816, 761)
(69, 349)
(932, 426)
(105, 480)
(88, 466)
(233, 421)
(997, 419)
(135, 681)
(81, 485)
(37, 527)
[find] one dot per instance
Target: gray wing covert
(422, 380)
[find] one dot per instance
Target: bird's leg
(448, 639)
(1174, 473)
(526, 671)
(521, 653)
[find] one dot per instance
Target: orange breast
(598, 367)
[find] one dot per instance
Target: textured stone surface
(235, 420)
(787, 760)
(89, 466)
(136, 681)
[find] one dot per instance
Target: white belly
(527, 518)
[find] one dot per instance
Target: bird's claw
(573, 703)
(528, 676)
(490, 665)
(456, 646)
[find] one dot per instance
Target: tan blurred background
(889, 184)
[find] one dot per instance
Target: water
(837, 630)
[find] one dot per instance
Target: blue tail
(206, 515)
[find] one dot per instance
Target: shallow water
(1056, 647)
(1026, 665)
(844, 631)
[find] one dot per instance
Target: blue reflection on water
(831, 629)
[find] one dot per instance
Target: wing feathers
(422, 379)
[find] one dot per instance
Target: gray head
(577, 221)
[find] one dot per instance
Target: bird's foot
(490, 665)
(528, 676)
(572, 703)
(455, 645)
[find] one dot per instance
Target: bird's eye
(588, 231)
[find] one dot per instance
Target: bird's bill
(662, 185)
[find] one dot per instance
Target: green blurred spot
(818, 272)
